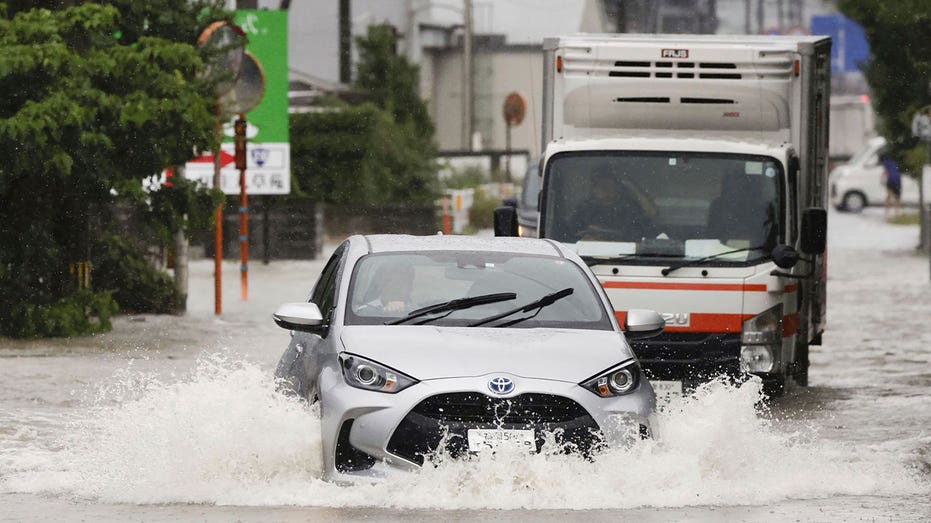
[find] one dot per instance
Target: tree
(900, 69)
(375, 154)
(391, 81)
(96, 97)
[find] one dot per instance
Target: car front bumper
(370, 434)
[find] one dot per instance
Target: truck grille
(774, 66)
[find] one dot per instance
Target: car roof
(379, 243)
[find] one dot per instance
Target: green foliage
(96, 96)
(481, 214)
(359, 156)
(392, 81)
(468, 177)
(181, 206)
(79, 313)
(911, 218)
(373, 154)
(900, 69)
(122, 270)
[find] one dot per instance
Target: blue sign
(848, 43)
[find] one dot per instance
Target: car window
(324, 293)
(391, 285)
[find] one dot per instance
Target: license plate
(666, 390)
(491, 439)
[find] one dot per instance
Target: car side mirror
(302, 316)
(784, 256)
(505, 221)
(643, 323)
(814, 230)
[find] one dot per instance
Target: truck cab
(690, 173)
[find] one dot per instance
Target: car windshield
(646, 205)
(388, 286)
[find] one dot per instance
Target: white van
(858, 183)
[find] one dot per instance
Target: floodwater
(176, 418)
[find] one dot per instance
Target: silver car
(461, 345)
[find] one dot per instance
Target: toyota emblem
(501, 385)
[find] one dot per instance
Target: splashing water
(224, 435)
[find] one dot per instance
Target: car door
(300, 365)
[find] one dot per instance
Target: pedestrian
(892, 179)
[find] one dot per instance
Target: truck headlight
(366, 374)
(761, 341)
(617, 381)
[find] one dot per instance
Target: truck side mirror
(509, 202)
(505, 221)
(784, 256)
(814, 230)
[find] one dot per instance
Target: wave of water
(223, 435)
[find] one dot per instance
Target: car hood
(426, 352)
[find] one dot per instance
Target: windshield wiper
(453, 305)
(545, 301)
(591, 261)
(700, 261)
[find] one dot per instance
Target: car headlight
(761, 341)
(616, 381)
(369, 375)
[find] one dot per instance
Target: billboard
(848, 43)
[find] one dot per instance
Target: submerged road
(176, 418)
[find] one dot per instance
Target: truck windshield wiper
(453, 305)
(591, 261)
(700, 261)
(545, 301)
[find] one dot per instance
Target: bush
(72, 315)
(119, 267)
(481, 214)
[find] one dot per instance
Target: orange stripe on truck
(739, 287)
(703, 322)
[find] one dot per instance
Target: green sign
(267, 34)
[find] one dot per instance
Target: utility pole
(760, 8)
(467, 76)
(345, 41)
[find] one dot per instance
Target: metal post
(924, 211)
(345, 41)
(240, 140)
(266, 241)
(467, 76)
(507, 151)
(218, 226)
(760, 16)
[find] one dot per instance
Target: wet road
(175, 418)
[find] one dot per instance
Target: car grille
(446, 418)
(527, 409)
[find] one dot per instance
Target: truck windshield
(636, 205)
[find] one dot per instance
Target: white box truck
(691, 173)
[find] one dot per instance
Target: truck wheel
(774, 386)
(800, 374)
(854, 201)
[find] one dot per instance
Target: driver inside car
(390, 290)
(611, 212)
